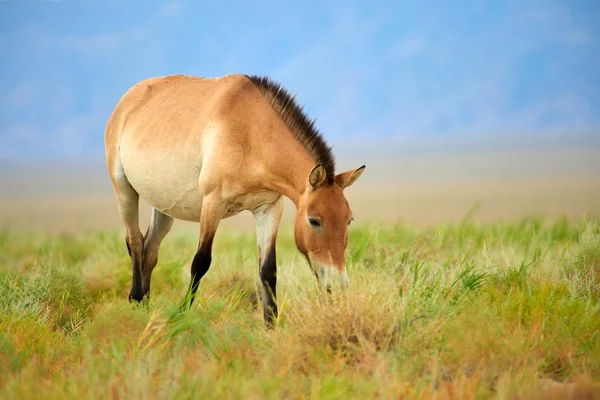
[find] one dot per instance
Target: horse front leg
(267, 225)
(210, 216)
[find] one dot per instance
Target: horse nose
(331, 277)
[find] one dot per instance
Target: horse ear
(347, 178)
(317, 176)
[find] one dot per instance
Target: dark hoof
(135, 296)
(186, 303)
(270, 320)
(270, 325)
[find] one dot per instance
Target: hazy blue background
(386, 71)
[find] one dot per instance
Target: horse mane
(302, 127)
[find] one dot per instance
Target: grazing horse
(206, 149)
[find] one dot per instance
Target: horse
(205, 149)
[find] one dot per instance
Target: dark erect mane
(302, 127)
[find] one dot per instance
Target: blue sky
(385, 71)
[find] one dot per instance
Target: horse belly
(249, 201)
(167, 183)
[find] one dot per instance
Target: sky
(386, 71)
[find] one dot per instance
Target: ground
(451, 310)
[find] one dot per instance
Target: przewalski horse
(206, 149)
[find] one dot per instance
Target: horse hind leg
(128, 202)
(160, 225)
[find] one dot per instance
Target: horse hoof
(135, 297)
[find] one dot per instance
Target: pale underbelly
(188, 207)
(169, 182)
(171, 197)
(177, 194)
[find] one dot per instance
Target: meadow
(449, 310)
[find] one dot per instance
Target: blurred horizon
(414, 186)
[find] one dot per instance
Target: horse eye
(349, 222)
(315, 223)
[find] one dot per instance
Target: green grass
(505, 310)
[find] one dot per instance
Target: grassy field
(503, 310)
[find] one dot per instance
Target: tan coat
(205, 149)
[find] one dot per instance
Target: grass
(503, 310)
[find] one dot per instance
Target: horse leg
(128, 202)
(210, 216)
(160, 225)
(267, 225)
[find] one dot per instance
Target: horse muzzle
(333, 278)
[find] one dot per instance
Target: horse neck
(288, 165)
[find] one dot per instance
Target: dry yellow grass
(501, 310)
